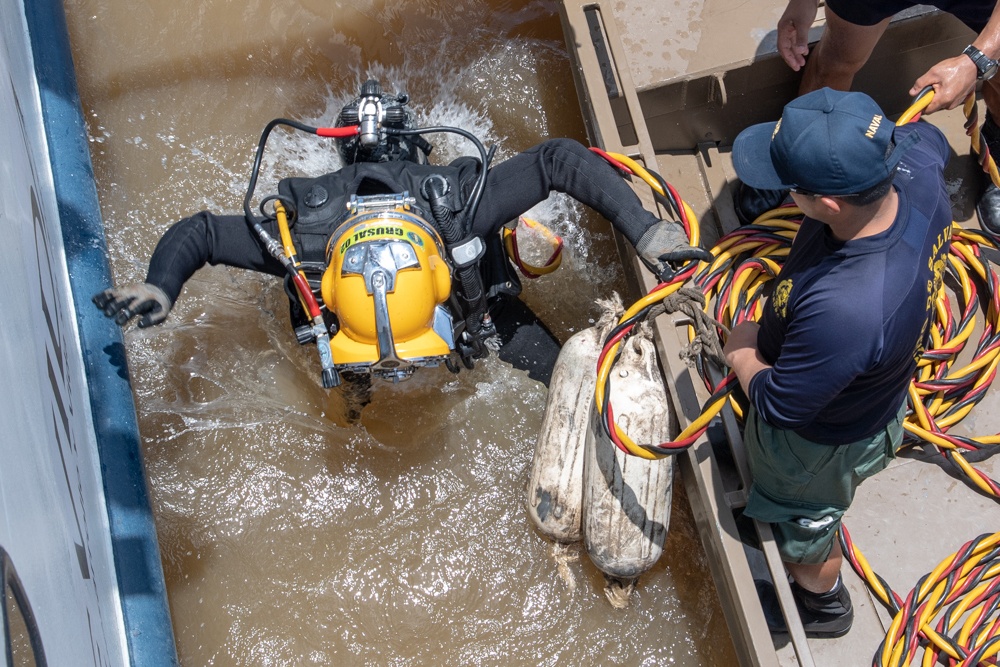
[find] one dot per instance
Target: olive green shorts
(804, 488)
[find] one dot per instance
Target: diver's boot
(988, 205)
(750, 203)
(823, 615)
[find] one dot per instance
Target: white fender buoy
(555, 487)
(627, 498)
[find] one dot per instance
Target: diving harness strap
(465, 253)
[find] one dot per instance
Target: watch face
(989, 71)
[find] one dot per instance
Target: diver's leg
(357, 392)
(525, 342)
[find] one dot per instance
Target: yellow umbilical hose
(529, 270)
(610, 352)
(965, 585)
(288, 245)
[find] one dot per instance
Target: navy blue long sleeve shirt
(847, 321)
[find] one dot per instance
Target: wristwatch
(986, 66)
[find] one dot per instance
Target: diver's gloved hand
(665, 243)
(124, 303)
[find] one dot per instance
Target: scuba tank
(626, 502)
(555, 489)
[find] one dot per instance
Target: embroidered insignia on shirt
(936, 263)
(779, 300)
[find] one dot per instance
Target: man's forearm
(988, 41)
(746, 364)
(742, 354)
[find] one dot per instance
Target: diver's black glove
(665, 243)
(124, 303)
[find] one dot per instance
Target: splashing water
(288, 535)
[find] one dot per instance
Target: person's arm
(187, 246)
(206, 238)
(560, 165)
(742, 354)
(792, 395)
(793, 31)
(564, 165)
(954, 78)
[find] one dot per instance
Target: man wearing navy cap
(827, 367)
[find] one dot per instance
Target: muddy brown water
(288, 535)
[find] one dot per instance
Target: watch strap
(986, 66)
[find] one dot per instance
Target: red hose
(338, 132)
(306, 293)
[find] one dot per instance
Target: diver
(392, 263)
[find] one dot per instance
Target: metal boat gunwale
(93, 419)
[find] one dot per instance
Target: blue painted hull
(79, 551)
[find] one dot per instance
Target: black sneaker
(988, 205)
(824, 615)
(988, 210)
(751, 203)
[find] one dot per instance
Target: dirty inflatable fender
(555, 487)
(627, 498)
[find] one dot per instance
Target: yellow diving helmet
(386, 280)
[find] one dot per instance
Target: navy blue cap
(827, 142)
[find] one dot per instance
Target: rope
(979, 146)
(705, 342)
(962, 592)
(640, 311)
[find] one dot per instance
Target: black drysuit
(512, 187)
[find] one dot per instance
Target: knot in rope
(706, 342)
